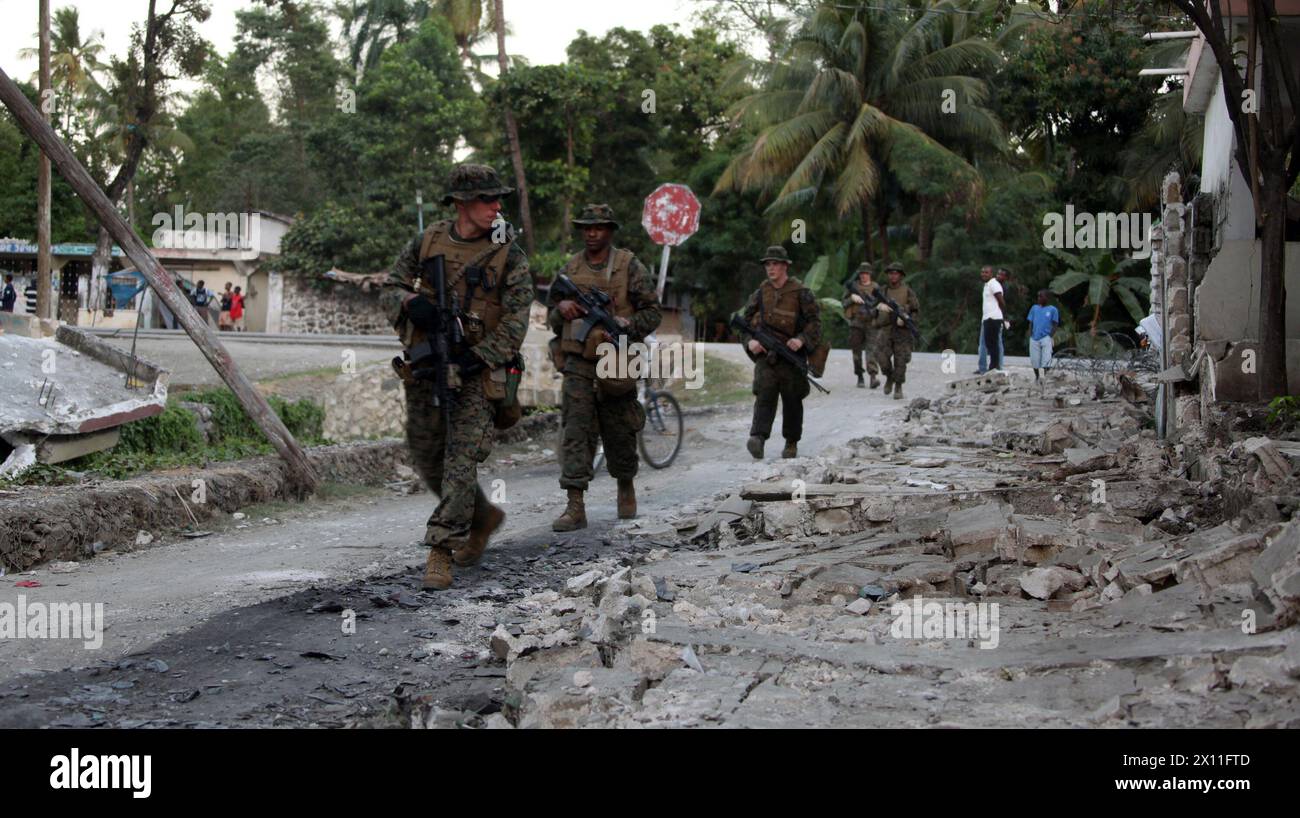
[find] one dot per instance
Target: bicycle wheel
(661, 439)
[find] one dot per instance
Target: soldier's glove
(883, 307)
(423, 313)
(901, 322)
(469, 364)
(857, 299)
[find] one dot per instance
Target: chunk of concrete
(1044, 583)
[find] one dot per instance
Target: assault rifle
(899, 312)
(774, 346)
(595, 304)
(429, 356)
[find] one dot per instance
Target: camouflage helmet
(467, 182)
(593, 214)
(895, 266)
(776, 253)
(866, 267)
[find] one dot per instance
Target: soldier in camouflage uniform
(487, 279)
(894, 342)
(789, 310)
(600, 408)
(862, 330)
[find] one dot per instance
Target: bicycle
(660, 440)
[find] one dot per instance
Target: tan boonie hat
(895, 265)
(467, 182)
(776, 253)
(866, 267)
(596, 214)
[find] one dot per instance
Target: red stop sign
(671, 214)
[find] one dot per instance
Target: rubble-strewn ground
(1126, 594)
(749, 593)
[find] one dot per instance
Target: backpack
(199, 298)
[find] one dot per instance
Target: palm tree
(370, 26)
(858, 100)
(73, 61)
(1104, 277)
(1170, 139)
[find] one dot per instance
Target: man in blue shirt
(1043, 320)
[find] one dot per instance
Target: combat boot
(898, 391)
(487, 519)
(791, 450)
(437, 570)
(575, 514)
(875, 382)
(755, 446)
(889, 385)
(626, 500)
(861, 384)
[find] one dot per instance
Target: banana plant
(1103, 276)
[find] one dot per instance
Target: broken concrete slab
(983, 529)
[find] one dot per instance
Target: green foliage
(1285, 411)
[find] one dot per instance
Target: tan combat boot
(626, 500)
(487, 519)
(791, 450)
(437, 571)
(575, 514)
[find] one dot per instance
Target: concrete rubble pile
(859, 588)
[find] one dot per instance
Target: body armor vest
(614, 280)
(779, 309)
(475, 276)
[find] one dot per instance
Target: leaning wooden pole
(30, 120)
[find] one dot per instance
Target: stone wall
(327, 308)
(366, 404)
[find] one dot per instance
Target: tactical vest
(478, 265)
(613, 280)
(780, 310)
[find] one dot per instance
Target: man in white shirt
(992, 316)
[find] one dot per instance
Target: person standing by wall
(8, 295)
(992, 317)
(237, 310)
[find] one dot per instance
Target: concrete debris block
(695, 615)
(1078, 460)
(1053, 439)
(730, 511)
(1112, 592)
(508, 647)
(582, 582)
(784, 519)
(1265, 674)
(496, 721)
(143, 538)
(982, 529)
(833, 521)
(523, 668)
(651, 660)
(1039, 539)
(1222, 563)
(1273, 466)
(582, 678)
(862, 607)
(878, 509)
(691, 660)
(1044, 583)
(985, 382)
(1277, 572)
(63, 567)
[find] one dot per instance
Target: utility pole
(45, 302)
(32, 123)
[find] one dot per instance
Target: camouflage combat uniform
(610, 413)
(894, 343)
(496, 321)
(862, 329)
(791, 312)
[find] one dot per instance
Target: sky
(542, 28)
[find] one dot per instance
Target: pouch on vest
(494, 383)
(817, 360)
(557, 353)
